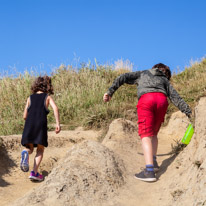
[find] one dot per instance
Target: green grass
(78, 95)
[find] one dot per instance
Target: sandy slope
(123, 141)
(13, 182)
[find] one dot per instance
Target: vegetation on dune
(191, 85)
(78, 94)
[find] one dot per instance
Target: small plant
(176, 193)
(177, 147)
(197, 163)
(123, 66)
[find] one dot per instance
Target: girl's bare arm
(26, 109)
(56, 114)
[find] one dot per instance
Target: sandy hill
(82, 171)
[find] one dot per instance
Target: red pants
(151, 110)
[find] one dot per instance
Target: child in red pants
(153, 88)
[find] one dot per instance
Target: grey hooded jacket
(147, 81)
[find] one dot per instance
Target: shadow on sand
(6, 163)
(45, 173)
(165, 164)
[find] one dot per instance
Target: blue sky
(43, 34)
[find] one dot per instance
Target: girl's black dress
(35, 128)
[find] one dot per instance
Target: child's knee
(30, 148)
(40, 149)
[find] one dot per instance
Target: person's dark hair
(164, 68)
(42, 84)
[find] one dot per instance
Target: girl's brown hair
(42, 84)
(164, 68)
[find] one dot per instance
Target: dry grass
(177, 147)
(13, 93)
(78, 95)
(190, 84)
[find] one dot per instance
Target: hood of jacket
(157, 72)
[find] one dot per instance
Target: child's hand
(106, 97)
(189, 115)
(58, 129)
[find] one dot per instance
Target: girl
(153, 88)
(35, 129)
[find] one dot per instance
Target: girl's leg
(29, 148)
(25, 157)
(38, 157)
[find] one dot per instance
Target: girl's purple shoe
(36, 177)
(32, 175)
(39, 177)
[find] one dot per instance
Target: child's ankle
(150, 168)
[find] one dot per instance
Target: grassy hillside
(191, 84)
(79, 96)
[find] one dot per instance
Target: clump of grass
(177, 147)
(175, 194)
(197, 163)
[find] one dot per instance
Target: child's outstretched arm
(128, 78)
(178, 101)
(56, 114)
(26, 109)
